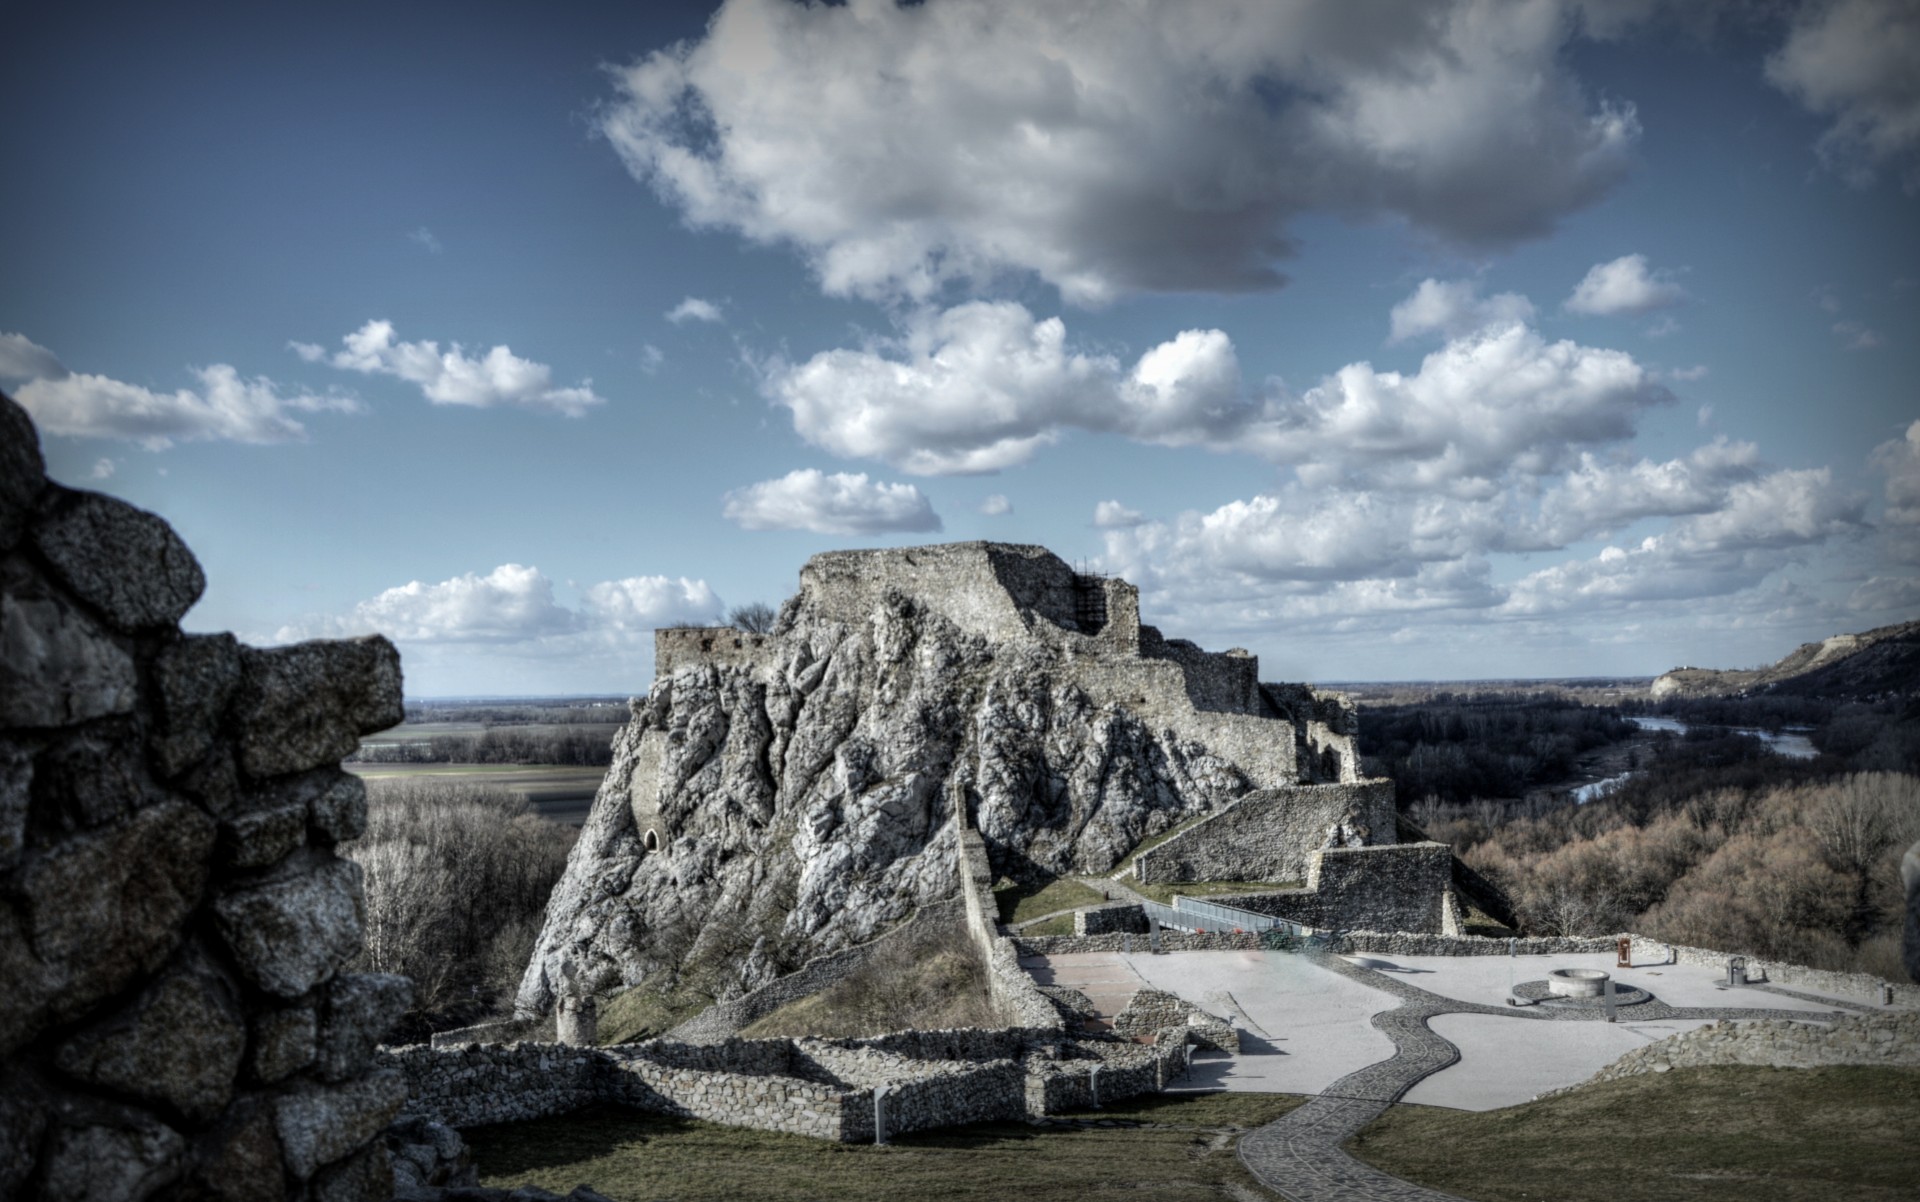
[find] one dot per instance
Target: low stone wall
(1171, 941)
(1400, 943)
(1869, 990)
(1121, 917)
(724, 1020)
(1019, 1000)
(768, 1102)
(1126, 1070)
(1884, 1039)
(1152, 1011)
(496, 1083)
(174, 913)
(1397, 887)
(1270, 834)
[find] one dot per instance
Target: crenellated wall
(174, 914)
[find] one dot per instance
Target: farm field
(559, 793)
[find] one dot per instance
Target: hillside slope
(1883, 660)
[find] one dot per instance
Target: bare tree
(755, 617)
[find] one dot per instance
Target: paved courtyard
(1304, 1027)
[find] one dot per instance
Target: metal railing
(1191, 914)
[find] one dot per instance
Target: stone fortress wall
(1269, 834)
(173, 911)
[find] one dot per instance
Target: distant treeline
(592, 711)
(588, 747)
(1460, 746)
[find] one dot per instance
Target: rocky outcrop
(1883, 660)
(780, 796)
(173, 915)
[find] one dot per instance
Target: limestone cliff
(782, 795)
(1883, 660)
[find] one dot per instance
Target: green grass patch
(1728, 1134)
(925, 979)
(1062, 925)
(1018, 903)
(641, 1013)
(630, 1155)
(1164, 894)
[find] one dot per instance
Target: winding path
(1299, 1155)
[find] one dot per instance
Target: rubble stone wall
(1891, 1039)
(174, 914)
(1270, 834)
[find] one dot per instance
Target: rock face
(784, 795)
(1883, 660)
(173, 916)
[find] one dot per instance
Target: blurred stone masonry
(173, 913)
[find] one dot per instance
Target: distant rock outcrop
(1883, 660)
(778, 796)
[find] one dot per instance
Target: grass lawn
(1692, 1135)
(1164, 894)
(630, 1155)
(1018, 903)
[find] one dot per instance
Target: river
(1793, 744)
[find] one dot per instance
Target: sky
(1477, 339)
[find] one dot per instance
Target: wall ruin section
(174, 914)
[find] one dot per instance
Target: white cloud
(1453, 308)
(1858, 61)
(649, 602)
(1112, 515)
(694, 309)
(515, 604)
(996, 505)
(1625, 285)
(1856, 337)
(651, 357)
(1599, 496)
(452, 377)
(23, 359)
(981, 387)
(1884, 593)
(1111, 147)
(1899, 461)
(843, 503)
(425, 239)
(226, 406)
(103, 468)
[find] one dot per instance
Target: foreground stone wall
(173, 913)
(1019, 1000)
(1271, 834)
(1877, 1039)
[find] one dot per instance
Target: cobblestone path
(1299, 1155)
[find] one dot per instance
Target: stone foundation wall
(1868, 989)
(724, 1020)
(1019, 1000)
(173, 912)
(497, 1083)
(1270, 834)
(1399, 887)
(1883, 1039)
(1153, 1010)
(1127, 1070)
(1120, 918)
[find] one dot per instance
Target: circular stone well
(1576, 982)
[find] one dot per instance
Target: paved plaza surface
(1450, 1039)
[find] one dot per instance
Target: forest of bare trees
(457, 878)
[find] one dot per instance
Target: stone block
(123, 1160)
(16, 795)
(96, 912)
(365, 1176)
(339, 811)
(23, 473)
(57, 666)
(361, 1009)
(192, 682)
(241, 1160)
(178, 1044)
(257, 838)
(307, 705)
(125, 562)
(284, 1041)
(322, 1125)
(289, 935)
(91, 779)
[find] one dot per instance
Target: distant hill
(1884, 660)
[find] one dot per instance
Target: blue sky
(1501, 339)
